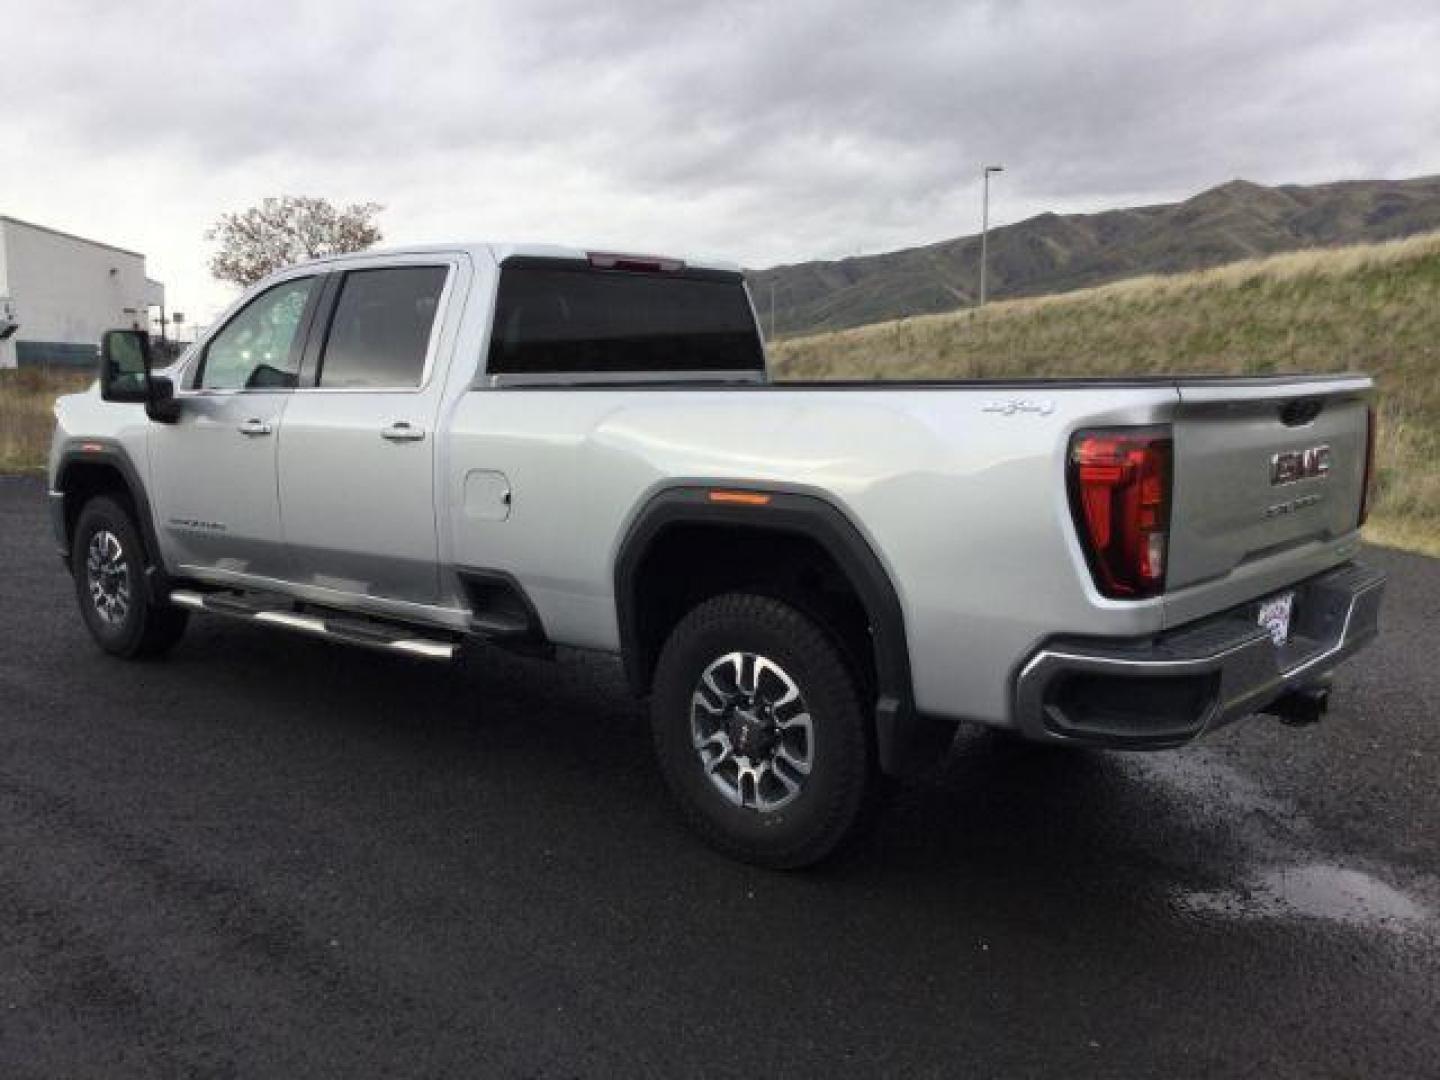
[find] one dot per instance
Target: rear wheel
(108, 560)
(760, 731)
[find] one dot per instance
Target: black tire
(834, 796)
(139, 627)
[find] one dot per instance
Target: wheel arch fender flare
(780, 510)
(82, 457)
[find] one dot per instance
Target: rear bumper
(1167, 690)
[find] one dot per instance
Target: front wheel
(108, 560)
(760, 731)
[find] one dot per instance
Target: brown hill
(1056, 253)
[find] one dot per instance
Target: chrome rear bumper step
(348, 631)
(1163, 691)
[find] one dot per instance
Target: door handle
(255, 426)
(402, 431)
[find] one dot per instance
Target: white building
(59, 292)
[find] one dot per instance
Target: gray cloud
(766, 131)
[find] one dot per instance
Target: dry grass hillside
(27, 415)
(1373, 308)
(1053, 253)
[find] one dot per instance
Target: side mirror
(125, 366)
(125, 375)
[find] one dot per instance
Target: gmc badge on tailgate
(1296, 465)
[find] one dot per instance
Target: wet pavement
(272, 857)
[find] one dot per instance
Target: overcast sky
(764, 132)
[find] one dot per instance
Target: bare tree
(288, 230)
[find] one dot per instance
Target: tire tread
(852, 793)
(162, 625)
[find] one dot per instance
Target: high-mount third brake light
(1119, 481)
(635, 264)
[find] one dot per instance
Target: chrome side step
(334, 628)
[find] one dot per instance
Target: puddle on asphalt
(1317, 891)
(1288, 878)
(1214, 791)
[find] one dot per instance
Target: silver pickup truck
(811, 583)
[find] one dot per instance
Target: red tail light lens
(1367, 490)
(1120, 497)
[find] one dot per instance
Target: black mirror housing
(125, 366)
(161, 405)
(125, 375)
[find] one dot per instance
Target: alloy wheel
(107, 572)
(752, 731)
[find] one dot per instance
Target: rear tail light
(1367, 489)
(1119, 484)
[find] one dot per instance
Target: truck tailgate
(1262, 467)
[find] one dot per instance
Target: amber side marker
(741, 498)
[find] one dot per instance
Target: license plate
(1275, 616)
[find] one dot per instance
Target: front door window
(259, 348)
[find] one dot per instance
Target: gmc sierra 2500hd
(812, 583)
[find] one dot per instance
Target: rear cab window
(567, 316)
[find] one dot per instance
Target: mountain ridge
(1052, 252)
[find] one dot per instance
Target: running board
(349, 631)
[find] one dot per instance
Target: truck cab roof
(500, 250)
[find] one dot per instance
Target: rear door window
(557, 316)
(379, 334)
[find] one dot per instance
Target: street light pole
(985, 225)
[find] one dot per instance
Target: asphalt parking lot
(272, 857)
